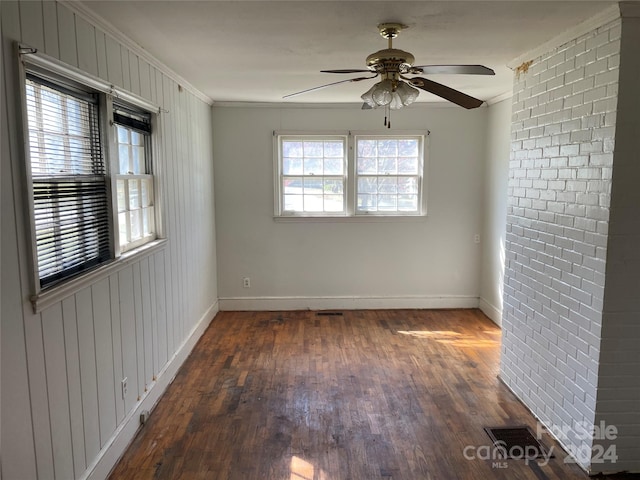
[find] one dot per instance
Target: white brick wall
(563, 128)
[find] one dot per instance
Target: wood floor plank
(387, 394)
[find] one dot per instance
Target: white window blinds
(68, 174)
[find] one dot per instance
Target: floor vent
(517, 442)
(329, 314)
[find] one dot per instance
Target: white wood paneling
(86, 42)
(88, 376)
(114, 62)
(72, 353)
(17, 423)
(116, 338)
(62, 406)
(101, 299)
(31, 23)
(67, 36)
(50, 21)
(58, 393)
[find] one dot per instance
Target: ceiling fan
(396, 89)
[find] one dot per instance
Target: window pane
(387, 185)
(122, 227)
(134, 194)
(408, 185)
(312, 185)
(408, 203)
(367, 165)
(136, 224)
(292, 166)
(333, 149)
(313, 166)
(333, 203)
(387, 202)
(123, 135)
(293, 203)
(408, 148)
(408, 165)
(387, 165)
(137, 160)
(367, 203)
(122, 196)
(313, 149)
(146, 186)
(332, 185)
(313, 203)
(367, 148)
(136, 138)
(387, 148)
(123, 154)
(292, 185)
(334, 166)
(368, 185)
(292, 149)
(147, 221)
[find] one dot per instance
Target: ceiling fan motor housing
(390, 60)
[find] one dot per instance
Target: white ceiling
(259, 51)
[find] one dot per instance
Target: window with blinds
(69, 180)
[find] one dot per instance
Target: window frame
(351, 177)
(279, 175)
(68, 77)
(116, 176)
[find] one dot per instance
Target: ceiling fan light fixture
(394, 93)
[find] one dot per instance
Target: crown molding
(499, 98)
(348, 105)
(80, 8)
(604, 17)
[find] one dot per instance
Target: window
(68, 175)
(134, 181)
(388, 174)
(350, 174)
(312, 176)
(91, 185)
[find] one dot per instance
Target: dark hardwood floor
(394, 394)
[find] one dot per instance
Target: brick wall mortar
(563, 129)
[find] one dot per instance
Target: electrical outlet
(246, 282)
(124, 387)
(476, 238)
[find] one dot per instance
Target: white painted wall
(618, 395)
(496, 177)
(427, 262)
(63, 416)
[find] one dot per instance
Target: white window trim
(31, 59)
(350, 215)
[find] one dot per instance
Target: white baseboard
(491, 311)
(124, 434)
(347, 303)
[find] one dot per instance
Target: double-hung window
(69, 180)
(348, 175)
(134, 180)
(88, 169)
(312, 174)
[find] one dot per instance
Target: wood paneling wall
(62, 368)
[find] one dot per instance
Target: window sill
(351, 219)
(57, 293)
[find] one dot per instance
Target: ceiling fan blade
(447, 93)
(346, 70)
(456, 69)
(366, 106)
(328, 85)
